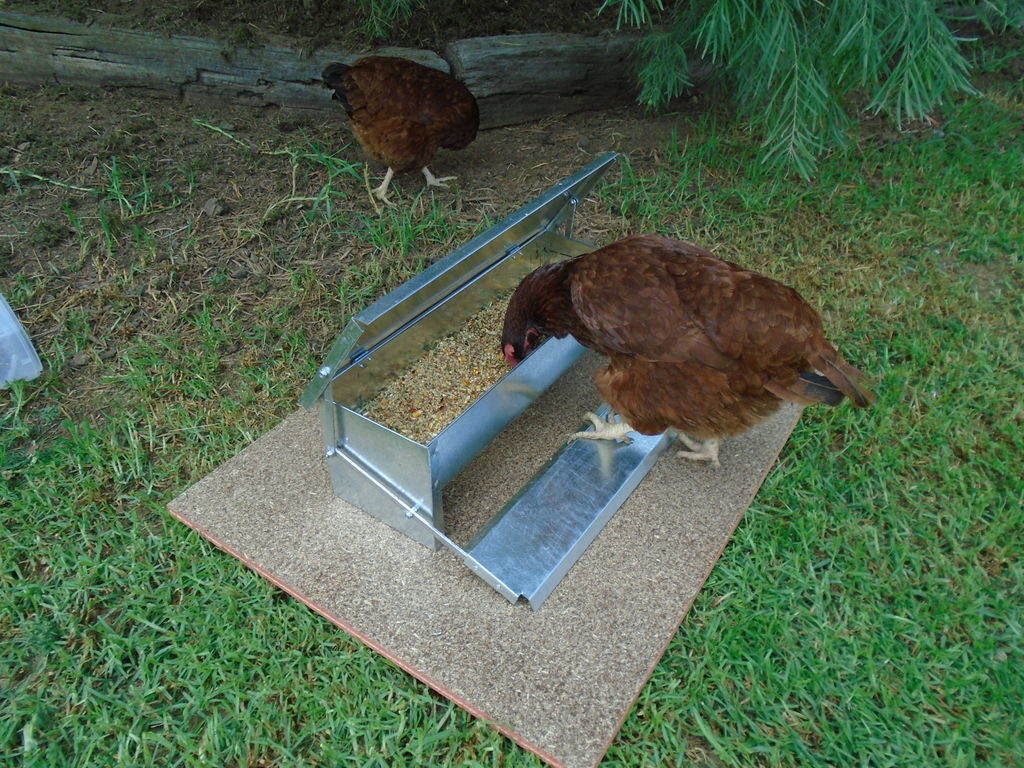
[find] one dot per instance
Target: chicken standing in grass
(402, 112)
(694, 343)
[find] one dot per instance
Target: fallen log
(519, 78)
(36, 50)
(516, 78)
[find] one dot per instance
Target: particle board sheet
(559, 681)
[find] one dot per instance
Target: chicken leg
(604, 430)
(433, 181)
(700, 451)
(381, 192)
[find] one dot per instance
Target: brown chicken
(694, 343)
(401, 112)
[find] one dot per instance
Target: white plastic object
(18, 358)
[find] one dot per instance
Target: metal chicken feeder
(526, 549)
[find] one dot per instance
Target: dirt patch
(129, 220)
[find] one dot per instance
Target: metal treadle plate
(532, 543)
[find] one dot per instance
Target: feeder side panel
(384, 474)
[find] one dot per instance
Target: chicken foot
(699, 451)
(617, 430)
(381, 192)
(604, 430)
(433, 181)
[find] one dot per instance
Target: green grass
(868, 610)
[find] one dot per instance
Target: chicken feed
(431, 393)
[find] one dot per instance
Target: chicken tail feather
(847, 378)
(809, 389)
(820, 388)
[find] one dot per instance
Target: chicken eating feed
(530, 544)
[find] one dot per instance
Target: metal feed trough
(526, 549)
